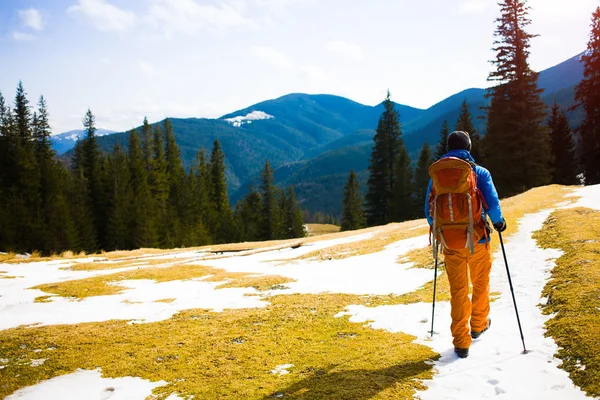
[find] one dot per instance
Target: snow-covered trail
(496, 365)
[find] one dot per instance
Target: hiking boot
(475, 335)
(461, 353)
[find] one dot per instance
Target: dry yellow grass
(260, 283)
(169, 300)
(321, 229)
(230, 354)
(573, 293)
(42, 299)
(105, 284)
(99, 265)
(382, 236)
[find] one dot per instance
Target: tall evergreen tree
(440, 150)
(57, 231)
(225, 227)
(159, 185)
(587, 94)
(270, 209)
(293, 219)
(422, 176)
(402, 202)
(147, 140)
(80, 204)
(175, 177)
(353, 216)
(120, 202)
(563, 147)
(25, 197)
(382, 165)
(249, 216)
(143, 231)
(92, 171)
(517, 140)
(465, 124)
(202, 196)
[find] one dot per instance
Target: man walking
(459, 196)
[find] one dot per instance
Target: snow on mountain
(64, 142)
(78, 134)
(248, 118)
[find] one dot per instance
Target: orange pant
(458, 262)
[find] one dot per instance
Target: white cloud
(22, 37)
(281, 61)
(273, 56)
(313, 73)
(348, 50)
(147, 68)
(104, 16)
(32, 18)
(559, 10)
(475, 7)
(191, 17)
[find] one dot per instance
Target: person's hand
(500, 226)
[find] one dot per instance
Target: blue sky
(205, 58)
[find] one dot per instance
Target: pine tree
(92, 171)
(442, 144)
(269, 209)
(293, 220)
(587, 94)
(403, 202)
(25, 197)
(249, 216)
(563, 148)
(80, 204)
(147, 140)
(57, 230)
(352, 208)
(422, 176)
(225, 227)
(159, 185)
(382, 165)
(175, 177)
(517, 141)
(202, 196)
(465, 124)
(143, 233)
(120, 201)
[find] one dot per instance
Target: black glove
(500, 226)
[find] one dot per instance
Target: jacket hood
(462, 154)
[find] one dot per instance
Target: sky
(130, 59)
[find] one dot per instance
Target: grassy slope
(229, 354)
(574, 293)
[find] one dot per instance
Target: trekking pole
(525, 351)
(434, 289)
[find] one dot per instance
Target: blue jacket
(484, 184)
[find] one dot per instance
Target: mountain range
(313, 141)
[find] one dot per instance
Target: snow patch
(38, 362)
(282, 369)
(589, 197)
(89, 385)
(248, 118)
(138, 303)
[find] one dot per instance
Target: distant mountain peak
(248, 118)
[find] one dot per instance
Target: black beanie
(459, 140)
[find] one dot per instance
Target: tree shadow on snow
(360, 384)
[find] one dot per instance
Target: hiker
(459, 196)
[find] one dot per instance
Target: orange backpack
(455, 204)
